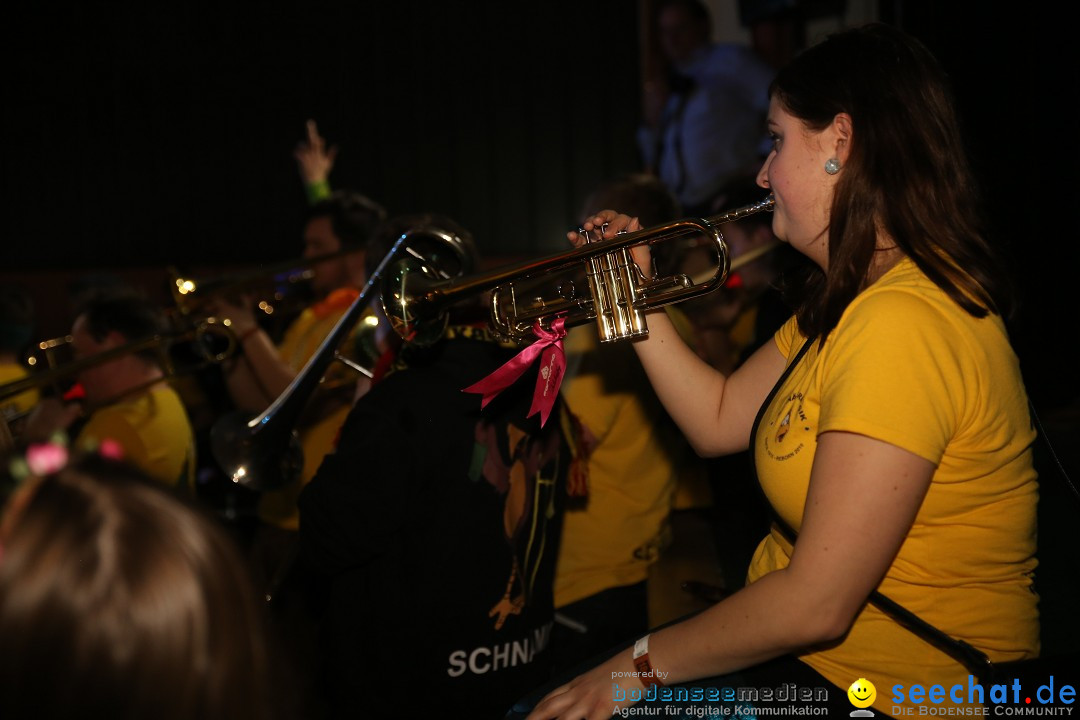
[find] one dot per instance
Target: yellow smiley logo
(862, 693)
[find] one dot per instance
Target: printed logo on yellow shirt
(792, 413)
(785, 425)
(862, 694)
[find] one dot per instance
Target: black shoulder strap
(1052, 453)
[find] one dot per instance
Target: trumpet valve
(614, 282)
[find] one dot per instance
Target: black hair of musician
(122, 310)
(353, 216)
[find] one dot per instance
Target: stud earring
(832, 166)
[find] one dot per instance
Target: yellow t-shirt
(22, 403)
(620, 529)
(153, 429)
(319, 436)
(908, 366)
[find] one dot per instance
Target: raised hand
(313, 159)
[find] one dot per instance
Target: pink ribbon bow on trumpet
(548, 346)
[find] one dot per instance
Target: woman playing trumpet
(899, 446)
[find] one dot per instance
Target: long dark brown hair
(907, 171)
(120, 600)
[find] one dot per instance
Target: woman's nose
(763, 173)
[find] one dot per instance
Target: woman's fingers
(605, 225)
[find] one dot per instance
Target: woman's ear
(842, 129)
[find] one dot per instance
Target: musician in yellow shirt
(888, 421)
(336, 225)
(127, 399)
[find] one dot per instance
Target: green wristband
(316, 191)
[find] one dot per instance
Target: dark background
(1014, 70)
(143, 136)
(163, 132)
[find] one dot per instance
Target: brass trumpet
(617, 295)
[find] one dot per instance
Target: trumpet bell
(402, 299)
(213, 340)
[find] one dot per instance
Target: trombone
(262, 452)
(201, 334)
(190, 293)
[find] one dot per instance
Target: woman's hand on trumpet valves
(607, 224)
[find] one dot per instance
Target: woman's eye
(775, 141)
